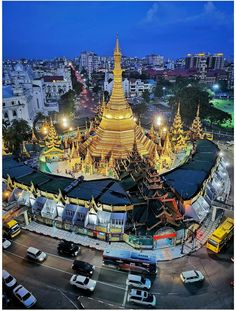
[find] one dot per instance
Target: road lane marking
(71, 260)
(63, 271)
(125, 295)
(68, 298)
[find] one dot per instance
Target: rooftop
(7, 91)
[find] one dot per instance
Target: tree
(190, 97)
(146, 96)
(39, 117)
(15, 134)
(67, 103)
(140, 109)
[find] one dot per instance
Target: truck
(11, 229)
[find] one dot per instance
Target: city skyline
(66, 29)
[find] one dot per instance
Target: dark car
(68, 248)
(83, 267)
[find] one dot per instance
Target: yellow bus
(221, 235)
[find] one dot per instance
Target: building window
(6, 115)
(37, 103)
(14, 113)
(3, 104)
(13, 103)
(18, 102)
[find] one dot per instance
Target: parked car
(142, 297)
(5, 300)
(83, 267)
(36, 254)
(83, 282)
(5, 243)
(191, 276)
(8, 279)
(138, 281)
(68, 248)
(24, 296)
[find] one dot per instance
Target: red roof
(53, 78)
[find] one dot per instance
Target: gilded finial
(198, 110)
(117, 47)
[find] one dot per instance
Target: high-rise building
(88, 61)
(215, 61)
(155, 60)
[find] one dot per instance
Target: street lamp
(215, 87)
(64, 122)
(158, 121)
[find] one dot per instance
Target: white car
(36, 254)
(8, 279)
(141, 297)
(138, 281)
(83, 282)
(191, 276)
(5, 243)
(24, 296)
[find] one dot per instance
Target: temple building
(52, 150)
(178, 137)
(196, 130)
(117, 130)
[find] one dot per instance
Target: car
(68, 248)
(5, 243)
(138, 281)
(36, 254)
(5, 300)
(8, 279)
(24, 296)
(141, 297)
(191, 276)
(83, 282)
(83, 267)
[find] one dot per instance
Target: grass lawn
(226, 105)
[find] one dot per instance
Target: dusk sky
(173, 29)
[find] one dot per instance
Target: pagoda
(196, 128)
(117, 130)
(52, 150)
(178, 137)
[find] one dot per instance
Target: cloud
(170, 14)
(151, 14)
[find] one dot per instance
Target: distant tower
(178, 137)
(196, 128)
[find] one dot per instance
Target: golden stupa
(117, 130)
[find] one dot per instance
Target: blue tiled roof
(187, 179)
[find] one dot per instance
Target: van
(36, 254)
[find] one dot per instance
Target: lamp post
(163, 89)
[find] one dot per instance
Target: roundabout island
(118, 183)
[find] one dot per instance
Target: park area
(226, 105)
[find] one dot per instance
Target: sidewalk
(163, 254)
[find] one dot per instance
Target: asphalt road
(49, 281)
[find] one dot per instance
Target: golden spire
(178, 109)
(78, 134)
(33, 138)
(117, 50)
(198, 110)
